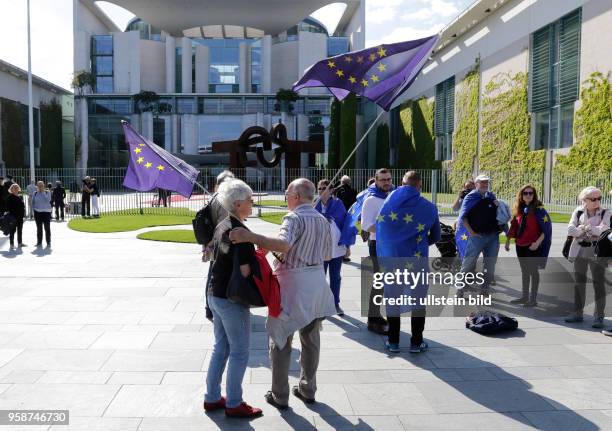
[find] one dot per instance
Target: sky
(387, 21)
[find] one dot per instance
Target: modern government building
(215, 68)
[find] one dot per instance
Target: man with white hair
(304, 242)
(346, 193)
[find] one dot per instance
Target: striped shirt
(309, 234)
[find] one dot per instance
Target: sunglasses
(526, 193)
(594, 199)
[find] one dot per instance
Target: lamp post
(30, 108)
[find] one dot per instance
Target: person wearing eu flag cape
(368, 206)
(406, 227)
(343, 236)
(478, 231)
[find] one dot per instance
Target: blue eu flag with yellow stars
(153, 167)
(380, 74)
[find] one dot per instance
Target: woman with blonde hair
(16, 208)
(532, 230)
(588, 222)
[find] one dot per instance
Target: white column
(244, 67)
(147, 125)
(202, 58)
(170, 64)
(266, 64)
(186, 65)
(175, 133)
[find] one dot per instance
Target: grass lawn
(271, 203)
(171, 235)
(121, 221)
(276, 218)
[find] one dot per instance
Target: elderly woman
(588, 222)
(41, 202)
(232, 322)
(16, 208)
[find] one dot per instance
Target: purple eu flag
(151, 166)
(380, 74)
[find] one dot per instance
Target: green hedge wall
(333, 152)
(51, 137)
(12, 142)
(382, 146)
(348, 134)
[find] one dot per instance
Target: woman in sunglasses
(532, 230)
(588, 221)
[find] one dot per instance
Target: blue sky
(51, 21)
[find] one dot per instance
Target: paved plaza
(112, 328)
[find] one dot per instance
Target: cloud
(379, 11)
(424, 14)
(401, 34)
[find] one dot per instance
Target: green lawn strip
(271, 203)
(171, 235)
(125, 223)
(276, 218)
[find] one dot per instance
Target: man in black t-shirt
(479, 216)
(346, 193)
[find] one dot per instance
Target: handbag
(243, 290)
(7, 223)
(568, 241)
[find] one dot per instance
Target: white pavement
(112, 328)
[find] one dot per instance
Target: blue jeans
(232, 328)
(335, 265)
(488, 245)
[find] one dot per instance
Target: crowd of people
(312, 242)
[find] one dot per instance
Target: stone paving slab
(112, 328)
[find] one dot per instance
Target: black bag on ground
(203, 227)
(7, 223)
(603, 247)
(243, 290)
(570, 239)
(487, 323)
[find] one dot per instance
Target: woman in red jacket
(531, 228)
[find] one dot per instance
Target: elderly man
(304, 242)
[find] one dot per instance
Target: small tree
(81, 80)
(149, 101)
(285, 99)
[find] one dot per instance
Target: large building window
(102, 63)
(146, 31)
(178, 76)
(256, 67)
(554, 81)
(107, 146)
(224, 72)
(337, 46)
(444, 118)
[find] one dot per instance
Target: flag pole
(30, 108)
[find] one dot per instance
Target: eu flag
(380, 74)
(151, 167)
(354, 212)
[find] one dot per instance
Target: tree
(81, 80)
(285, 99)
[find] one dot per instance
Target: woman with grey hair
(231, 322)
(588, 222)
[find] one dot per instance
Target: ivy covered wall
(415, 140)
(382, 146)
(465, 137)
(348, 130)
(11, 119)
(51, 150)
(505, 134)
(333, 151)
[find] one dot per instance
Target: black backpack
(203, 224)
(603, 247)
(7, 223)
(487, 323)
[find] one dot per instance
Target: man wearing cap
(479, 216)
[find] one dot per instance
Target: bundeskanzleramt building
(215, 71)
(551, 48)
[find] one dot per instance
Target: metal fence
(558, 191)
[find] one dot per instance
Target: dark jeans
(335, 279)
(598, 269)
(373, 309)
(59, 210)
(530, 271)
(85, 205)
(19, 229)
(42, 219)
(417, 323)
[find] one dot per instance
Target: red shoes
(217, 405)
(243, 411)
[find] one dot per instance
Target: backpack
(203, 226)
(487, 323)
(603, 246)
(568, 241)
(7, 223)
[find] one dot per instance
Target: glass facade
(107, 146)
(309, 25)
(147, 31)
(337, 46)
(256, 66)
(102, 63)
